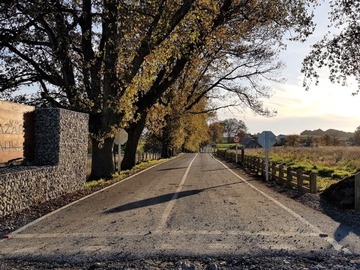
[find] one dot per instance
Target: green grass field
(331, 164)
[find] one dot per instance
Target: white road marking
(336, 245)
(171, 204)
(162, 233)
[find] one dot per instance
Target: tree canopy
(338, 52)
(116, 59)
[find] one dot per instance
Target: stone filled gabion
(61, 138)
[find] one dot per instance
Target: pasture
(331, 164)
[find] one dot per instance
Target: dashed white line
(171, 204)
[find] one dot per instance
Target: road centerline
(170, 205)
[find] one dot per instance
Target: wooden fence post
(281, 174)
(313, 183)
(289, 177)
(260, 167)
(273, 171)
(242, 155)
(263, 169)
(357, 192)
(300, 179)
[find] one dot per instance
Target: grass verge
(101, 183)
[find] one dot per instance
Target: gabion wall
(59, 165)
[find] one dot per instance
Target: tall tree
(216, 132)
(339, 52)
(233, 127)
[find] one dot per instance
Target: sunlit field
(331, 164)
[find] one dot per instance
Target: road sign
(267, 139)
(121, 137)
(236, 139)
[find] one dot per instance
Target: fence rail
(146, 156)
(277, 172)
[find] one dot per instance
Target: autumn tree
(177, 128)
(216, 130)
(233, 127)
(292, 140)
(339, 52)
(328, 140)
(197, 131)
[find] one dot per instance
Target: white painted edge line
(83, 198)
(336, 245)
(171, 204)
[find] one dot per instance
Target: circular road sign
(236, 139)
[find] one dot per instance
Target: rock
(185, 265)
(213, 266)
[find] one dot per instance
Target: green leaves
(339, 52)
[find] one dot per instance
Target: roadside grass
(331, 164)
(225, 146)
(101, 183)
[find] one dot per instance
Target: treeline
(330, 137)
(339, 134)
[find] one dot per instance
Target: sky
(325, 106)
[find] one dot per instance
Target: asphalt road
(193, 205)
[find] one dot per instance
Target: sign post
(120, 139)
(267, 139)
(236, 140)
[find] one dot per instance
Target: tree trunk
(102, 165)
(166, 151)
(134, 132)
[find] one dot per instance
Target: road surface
(193, 205)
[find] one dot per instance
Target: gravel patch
(245, 262)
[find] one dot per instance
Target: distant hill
(341, 135)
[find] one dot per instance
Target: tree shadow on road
(161, 199)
